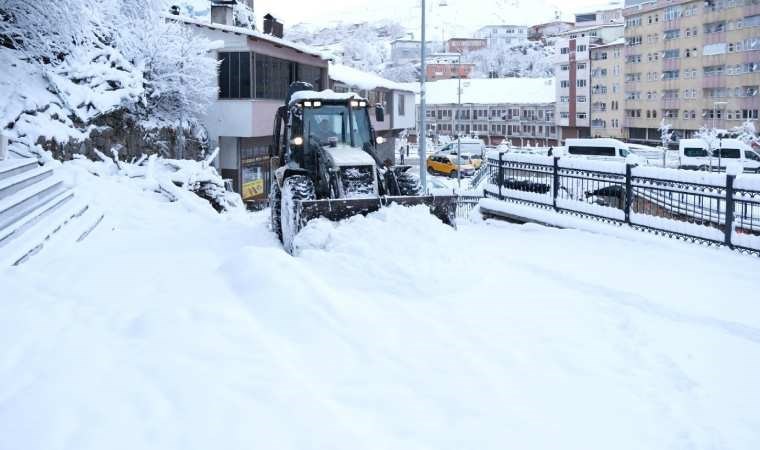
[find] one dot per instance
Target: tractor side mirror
(379, 113)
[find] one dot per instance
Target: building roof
(247, 32)
(359, 79)
(594, 27)
(619, 41)
(490, 91)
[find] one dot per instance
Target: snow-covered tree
(531, 59)
(666, 137)
(747, 133)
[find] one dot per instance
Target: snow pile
(195, 184)
(355, 78)
(177, 330)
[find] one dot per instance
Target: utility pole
(459, 135)
(422, 134)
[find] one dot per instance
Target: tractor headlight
(307, 104)
(317, 104)
(362, 103)
(379, 139)
(354, 104)
(298, 140)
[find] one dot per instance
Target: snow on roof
(619, 41)
(359, 79)
(591, 28)
(486, 91)
(248, 32)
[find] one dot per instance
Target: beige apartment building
(607, 68)
(692, 63)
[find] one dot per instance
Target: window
(564, 50)
(235, 75)
(581, 66)
(715, 27)
(670, 74)
(580, 83)
(591, 151)
(563, 67)
(694, 152)
(671, 54)
(401, 105)
(581, 99)
(564, 83)
(731, 153)
(581, 116)
(713, 71)
(581, 48)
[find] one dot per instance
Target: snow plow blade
(442, 206)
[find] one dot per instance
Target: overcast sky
(459, 16)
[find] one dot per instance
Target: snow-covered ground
(171, 327)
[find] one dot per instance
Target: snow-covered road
(169, 329)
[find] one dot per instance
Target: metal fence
(710, 208)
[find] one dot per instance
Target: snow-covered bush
(189, 182)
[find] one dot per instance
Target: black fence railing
(711, 208)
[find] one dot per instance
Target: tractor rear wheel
(294, 189)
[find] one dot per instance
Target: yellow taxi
(447, 165)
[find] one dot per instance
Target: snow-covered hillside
(173, 328)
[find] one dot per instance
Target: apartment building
(607, 81)
(407, 51)
(520, 110)
(502, 35)
(601, 16)
(691, 63)
(572, 69)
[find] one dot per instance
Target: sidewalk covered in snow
(178, 328)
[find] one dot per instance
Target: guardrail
(705, 207)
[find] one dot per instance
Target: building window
(580, 83)
(401, 105)
(234, 75)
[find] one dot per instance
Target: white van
(695, 154)
(471, 146)
(604, 149)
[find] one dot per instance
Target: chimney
(272, 26)
(221, 12)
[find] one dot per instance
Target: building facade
(607, 81)
(692, 64)
(502, 35)
(407, 51)
(572, 69)
(465, 45)
(444, 70)
(517, 110)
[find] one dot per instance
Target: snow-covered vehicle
(325, 164)
(696, 155)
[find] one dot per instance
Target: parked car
(696, 155)
(475, 159)
(447, 165)
(604, 149)
(468, 145)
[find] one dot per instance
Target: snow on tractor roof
(327, 94)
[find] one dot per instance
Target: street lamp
(459, 136)
(422, 133)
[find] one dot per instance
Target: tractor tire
(409, 183)
(275, 207)
(294, 189)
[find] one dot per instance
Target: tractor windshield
(328, 122)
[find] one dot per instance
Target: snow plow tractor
(325, 164)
